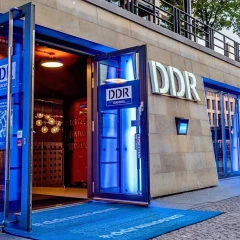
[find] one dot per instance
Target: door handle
(141, 108)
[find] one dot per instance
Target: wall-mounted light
(116, 80)
(182, 126)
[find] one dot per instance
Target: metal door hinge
(92, 187)
(92, 82)
(92, 126)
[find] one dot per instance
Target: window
(208, 103)
(213, 105)
(209, 118)
(226, 123)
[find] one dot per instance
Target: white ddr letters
(186, 81)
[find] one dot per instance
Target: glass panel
(109, 150)
(118, 69)
(109, 176)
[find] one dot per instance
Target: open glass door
(120, 146)
(16, 107)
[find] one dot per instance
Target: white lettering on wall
(186, 81)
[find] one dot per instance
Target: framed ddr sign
(119, 95)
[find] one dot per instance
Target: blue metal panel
(220, 86)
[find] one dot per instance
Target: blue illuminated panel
(183, 128)
(16, 125)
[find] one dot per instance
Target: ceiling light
(116, 80)
(51, 63)
(44, 129)
(51, 121)
(39, 122)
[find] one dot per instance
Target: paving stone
(224, 227)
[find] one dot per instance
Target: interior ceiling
(43, 53)
(68, 81)
(64, 82)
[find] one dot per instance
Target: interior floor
(62, 192)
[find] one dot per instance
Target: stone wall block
(199, 145)
(124, 41)
(216, 75)
(199, 82)
(194, 161)
(154, 143)
(155, 164)
(159, 55)
(234, 70)
(190, 53)
(80, 9)
(167, 144)
(203, 115)
(165, 125)
(169, 44)
(113, 22)
(210, 160)
(200, 69)
(173, 162)
(207, 177)
(221, 65)
(163, 184)
(186, 181)
(182, 108)
(49, 3)
(206, 59)
(194, 127)
(205, 127)
(230, 79)
(157, 105)
(178, 62)
(46, 16)
(152, 123)
(182, 143)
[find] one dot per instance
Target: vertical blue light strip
(234, 144)
(129, 154)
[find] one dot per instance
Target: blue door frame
(141, 195)
(20, 221)
(223, 87)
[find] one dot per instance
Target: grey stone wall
(177, 163)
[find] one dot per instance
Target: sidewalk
(227, 188)
(225, 197)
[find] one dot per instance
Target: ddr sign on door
(117, 96)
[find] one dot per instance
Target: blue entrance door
(16, 107)
(120, 147)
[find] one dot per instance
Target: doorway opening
(60, 128)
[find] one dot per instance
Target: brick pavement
(223, 227)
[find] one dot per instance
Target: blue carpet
(111, 221)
